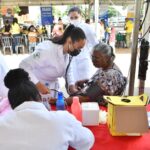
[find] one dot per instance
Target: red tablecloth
(104, 141)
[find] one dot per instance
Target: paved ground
(123, 58)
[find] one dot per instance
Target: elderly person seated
(30, 126)
(108, 80)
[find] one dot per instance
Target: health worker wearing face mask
(81, 66)
(50, 59)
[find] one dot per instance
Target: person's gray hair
(105, 49)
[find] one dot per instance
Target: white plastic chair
(7, 44)
(20, 43)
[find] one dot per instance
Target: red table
(104, 141)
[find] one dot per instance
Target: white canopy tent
(61, 2)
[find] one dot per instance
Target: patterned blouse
(108, 82)
(111, 81)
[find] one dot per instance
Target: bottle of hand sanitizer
(60, 103)
(76, 108)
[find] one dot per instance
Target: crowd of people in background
(107, 32)
(31, 35)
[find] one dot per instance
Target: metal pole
(134, 47)
(96, 10)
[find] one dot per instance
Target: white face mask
(75, 22)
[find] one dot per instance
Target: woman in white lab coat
(50, 59)
(30, 126)
(81, 66)
(3, 70)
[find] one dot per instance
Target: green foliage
(112, 12)
(59, 13)
(16, 9)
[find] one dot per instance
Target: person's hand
(72, 89)
(42, 88)
(68, 100)
(80, 84)
(52, 101)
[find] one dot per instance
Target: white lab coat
(46, 64)
(3, 71)
(32, 127)
(81, 66)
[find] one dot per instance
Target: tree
(112, 12)
(16, 10)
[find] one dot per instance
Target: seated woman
(30, 126)
(108, 80)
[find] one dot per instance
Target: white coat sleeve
(36, 60)
(82, 137)
(3, 71)
(91, 36)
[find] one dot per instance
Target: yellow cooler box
(127, 115)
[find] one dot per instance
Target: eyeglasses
(74, 18)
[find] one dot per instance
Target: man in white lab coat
(30, 126)
(81, 66)
(3, 70)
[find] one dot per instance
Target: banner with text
(46, 15)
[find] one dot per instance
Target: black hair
(76, 9)
(87, 21)
(32, 26)
(7, 21)
(75, 33)
(59, 19)
(21, 89)
(15, 20)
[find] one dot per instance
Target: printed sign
(46, 15)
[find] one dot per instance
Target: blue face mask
(75, 52)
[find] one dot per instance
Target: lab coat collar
(31, 105)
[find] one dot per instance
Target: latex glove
(42, 88)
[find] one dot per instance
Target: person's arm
(3, 71)
(81, 137)
(70, 78)
(81, 99)
(91, 36)
(36, 61)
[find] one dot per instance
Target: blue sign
(46, 15)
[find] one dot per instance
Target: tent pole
(134, 47)
(96, 11)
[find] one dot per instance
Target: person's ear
(69, 41)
